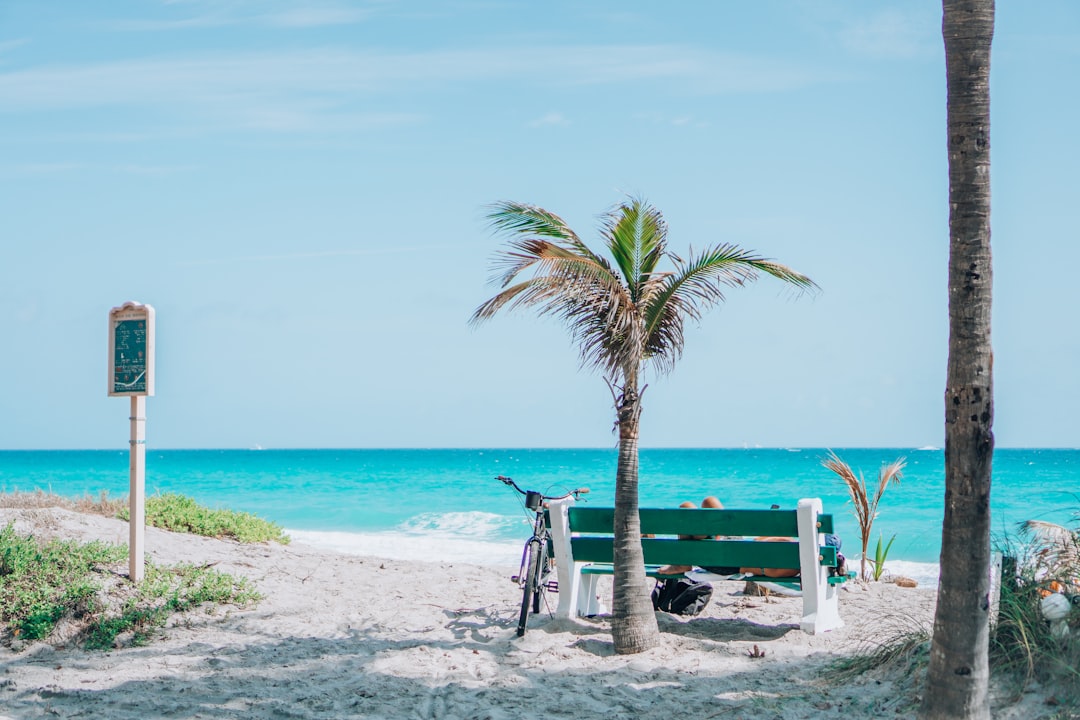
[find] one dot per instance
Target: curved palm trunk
(633, 621)
(958, 676)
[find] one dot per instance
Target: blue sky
(299, 190)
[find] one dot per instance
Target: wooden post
(137, 491)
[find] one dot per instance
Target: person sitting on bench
(713, 503)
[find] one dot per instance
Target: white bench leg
(566, 570)
(577, 594)
(589, 601)
(821, 603)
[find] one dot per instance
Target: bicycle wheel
(532, 578)
(541, 578)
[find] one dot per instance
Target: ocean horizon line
(555, 448)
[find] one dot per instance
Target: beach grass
(39, 499)
(893, 640)
(1043, 559)
(168, 511)
(66, 591)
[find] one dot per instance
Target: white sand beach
(341, 636)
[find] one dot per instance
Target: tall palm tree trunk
(633, 622)
(958, 675)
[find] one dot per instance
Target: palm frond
(515, 218)
(891, 473)
(619, 313)
(696, 285)
(577, 287)
(856, 486)
(529, 221)
(636, 236)
(1056, 543)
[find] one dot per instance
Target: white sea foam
(472, 525)
(398, 545)
(925, 573)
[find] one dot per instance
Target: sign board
(131, 350)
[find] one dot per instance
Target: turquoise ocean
(445, 505)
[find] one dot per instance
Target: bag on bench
(681, 596)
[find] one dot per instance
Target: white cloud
(8, 45)
(41, 168)
(549, 120)
(155, 170)
(317, 17)
(56, 168)
(893, 34)
(659, 118)
(328, 90)
(317, 255)
(257, 13)
(333, 71)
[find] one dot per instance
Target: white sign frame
(120, 319)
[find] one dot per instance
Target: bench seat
(583, 542)
(653, 571)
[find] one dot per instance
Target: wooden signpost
(131, 374)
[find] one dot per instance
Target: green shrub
(42, 583)
(1044, 558)
(180, 513)
(40, 580)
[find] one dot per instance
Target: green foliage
(40, 580)
(1042, 560)
(179, 513)
(625, 309)
(44, 583)
(165, 592)
(880, 554)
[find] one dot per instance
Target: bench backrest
(592, 538)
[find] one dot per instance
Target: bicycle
(536, 564)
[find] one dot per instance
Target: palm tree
(621, 313)
(957, 683)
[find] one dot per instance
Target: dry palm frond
(1055, 549)
(864, 503)
(1052, 535)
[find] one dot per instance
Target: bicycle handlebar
(509, 481)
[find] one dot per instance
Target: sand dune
(357, 637)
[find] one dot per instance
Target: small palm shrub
(865, 503)
(881, 553)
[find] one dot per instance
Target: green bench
(582, 542)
